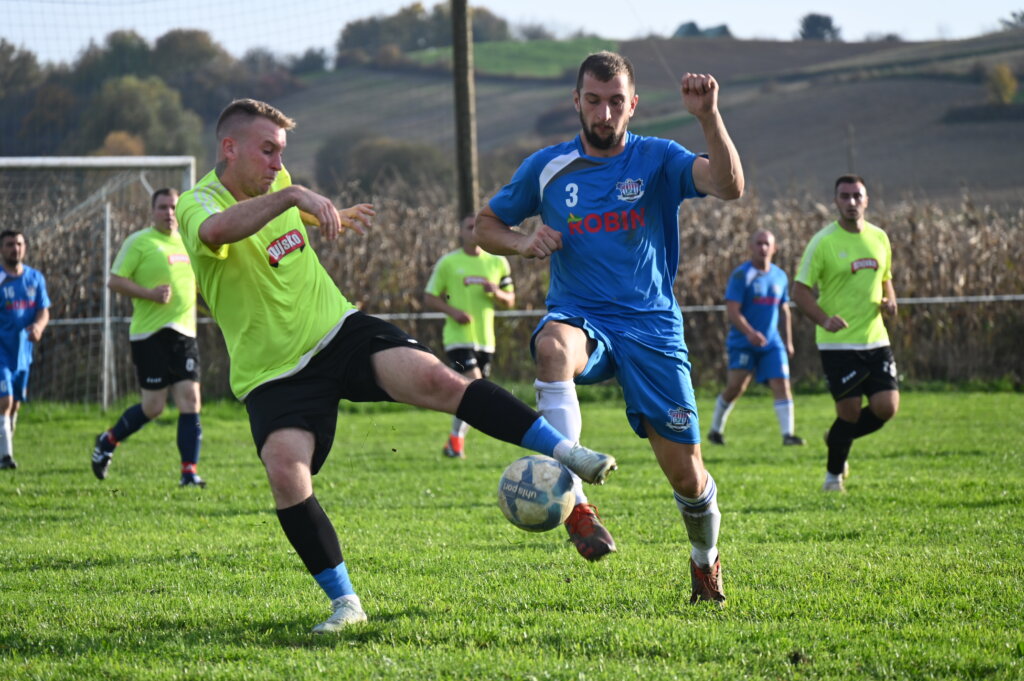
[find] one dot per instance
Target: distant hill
(798, 111)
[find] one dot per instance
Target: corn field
(961, 250)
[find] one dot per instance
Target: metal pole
(107, 340)
(466, 167)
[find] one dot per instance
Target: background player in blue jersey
(609, 202)
(758, 344)
(23, 318)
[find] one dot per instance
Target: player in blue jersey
(23, 318)
(609, 202)
(758, 344)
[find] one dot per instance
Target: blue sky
(57, 30)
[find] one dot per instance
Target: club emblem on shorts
(678, 420)
(282, 246)
(630, 190)
(863, 264)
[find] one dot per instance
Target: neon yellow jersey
(273, 300)
(849, 268)
(458, 278)
(151, 258)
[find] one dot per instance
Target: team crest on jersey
(863, 264)
(630, 190)
(678, 420)
(282, 246)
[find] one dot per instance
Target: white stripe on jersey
(553, 167)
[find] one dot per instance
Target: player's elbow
(733, 190)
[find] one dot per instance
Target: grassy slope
(916, 573)
(789, 106)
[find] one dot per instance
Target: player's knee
(153, 410)
(440, 380)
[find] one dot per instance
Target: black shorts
(164, 359)
(852, 373)
(464, 359)
(308, 400)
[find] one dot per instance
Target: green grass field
(916, 573)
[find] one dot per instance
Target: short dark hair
(7, 233)
(163, 191)
(251, 108)
(849, 178)
(604, 66)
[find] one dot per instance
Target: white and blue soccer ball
(535, 493)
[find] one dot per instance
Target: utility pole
(466, 166)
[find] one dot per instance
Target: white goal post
(75, 211)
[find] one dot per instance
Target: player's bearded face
(605, 108)
(603, 134)
(13, 249)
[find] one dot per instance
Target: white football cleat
(347, 610)
(592, 466)
(833, 484)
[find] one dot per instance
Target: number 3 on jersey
(573, 197)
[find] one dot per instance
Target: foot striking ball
(535, 493)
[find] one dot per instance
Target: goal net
(75, 213)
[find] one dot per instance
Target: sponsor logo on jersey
(766, 300)
(282, 246)
(629, 190)
(607, 222)
(863, 264)
(177, 258)
(469, 281)
(678, 419)
(20, 304)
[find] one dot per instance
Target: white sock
(721, 415)
(6, 437)
(702, 520)
(557, 402)
(784, 412)
(459, 427)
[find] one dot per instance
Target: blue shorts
(655, 380)
(771, 361)
(14, 384)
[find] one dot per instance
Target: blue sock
(190, 437)
(335, 582)
(131, 420)
(542, 437)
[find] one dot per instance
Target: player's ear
(228, 148)
(576, 99)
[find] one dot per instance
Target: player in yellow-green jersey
(466, 285)
(850, 262)
(152, 268)
(298, 346)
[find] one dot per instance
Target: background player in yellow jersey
(152, 268)
(467, 284)
(298, 346)
(850, 261)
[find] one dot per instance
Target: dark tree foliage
(415, 28)
(819, 27)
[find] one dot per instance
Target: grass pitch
(916, 573)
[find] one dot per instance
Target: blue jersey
(22, 298)
(760, 294)
(619, 220)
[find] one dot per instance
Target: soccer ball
(535, 493)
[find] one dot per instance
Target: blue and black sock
(312, 535)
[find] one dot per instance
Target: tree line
(125, 96)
